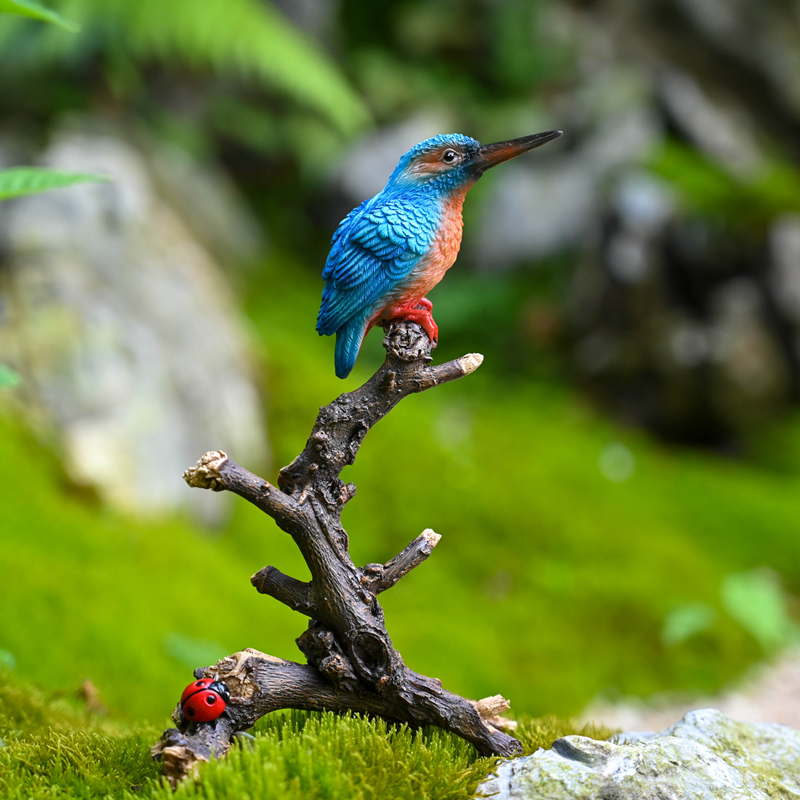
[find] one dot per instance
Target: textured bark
(352, 662)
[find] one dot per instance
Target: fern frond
(231, 37)
(34, 10)
(18, 181)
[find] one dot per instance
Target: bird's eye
(449, 156)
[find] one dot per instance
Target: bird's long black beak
(490, 155)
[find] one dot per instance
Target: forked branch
(352, 662)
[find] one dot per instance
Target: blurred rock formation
(117, 316)
(683, 313)
(769, 693)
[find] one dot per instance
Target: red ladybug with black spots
(204, 700)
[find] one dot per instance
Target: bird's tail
(348, 343)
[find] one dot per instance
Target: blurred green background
(616, 487)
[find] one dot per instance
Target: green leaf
(8, 380)
(685, 621)
(30, 8)
(756, 600)
(31, 180)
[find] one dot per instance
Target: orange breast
(442, 254)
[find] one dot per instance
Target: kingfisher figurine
(388, 253)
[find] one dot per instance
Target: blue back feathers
(377, 246)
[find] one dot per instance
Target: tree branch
(378, 578)
(352, 662)
(341, 426)
(287, 590)
(217, 472)
(260, 683)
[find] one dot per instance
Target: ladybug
(204, 700)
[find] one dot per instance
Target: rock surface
(705, 755)
(117, 316)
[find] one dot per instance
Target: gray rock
(725, 134)
(705, 755)
(751, 376)
(546, 204)
(784, 242)
(123, 328)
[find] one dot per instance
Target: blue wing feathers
(374, 248)
(340, 235)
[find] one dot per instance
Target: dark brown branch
(378, 578)
(352, 662)
(341, 426)
(261, 683)
(287, 590)
(216, 472)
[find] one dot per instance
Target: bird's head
(452, 160)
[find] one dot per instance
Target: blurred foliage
(745, 203)
(243, 38)
(686, 621)
(755, 599)
(34, 10)
(32, 180)
(758, 602)
(464, 55)
(8, 378)
(7, 660)
(568, 573)
(237, 81)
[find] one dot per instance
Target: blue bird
(388, 253)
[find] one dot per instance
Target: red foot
(418, 311)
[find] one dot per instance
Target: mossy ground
(551, 583)
(52, 748)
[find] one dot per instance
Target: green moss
(306, 755)
(29, 710)
(77, 764)
(124, 602)
(542, 732)
(53, 749)
(546, 572)
(547, 568)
